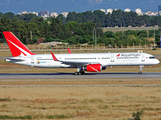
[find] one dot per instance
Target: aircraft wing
(78, 63)
(73, 62)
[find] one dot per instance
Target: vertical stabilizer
(16, 46)
(70, 52)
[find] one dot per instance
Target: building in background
(44, 14)
(103, 10)
(64, 14)
(109, 11)
(34, 13)
(53, 14)
(159, 9)
(138, 11)
(127, 10)
(25, 12)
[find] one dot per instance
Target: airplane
(91, 62)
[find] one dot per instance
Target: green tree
(5, 25)
(61, 17)
(1, 14)
(88, 16)
(72, 25)
(109, 34)
(56, 26)
(72, 16)
(99, 17)
(27, 17)
(9, 15)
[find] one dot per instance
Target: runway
(72, 76)
(3, 57)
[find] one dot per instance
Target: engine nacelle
(93, 68)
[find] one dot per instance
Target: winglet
(54, 58)
(69, 51)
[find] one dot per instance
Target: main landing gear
(79, 71)
(140, 71)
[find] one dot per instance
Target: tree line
(117, 18)
(29, 28)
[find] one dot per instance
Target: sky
(59, 6)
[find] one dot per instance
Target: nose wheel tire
(139, 72)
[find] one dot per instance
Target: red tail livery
(16, 46)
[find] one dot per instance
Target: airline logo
(128, 56)
(38, 62)
(118, 55)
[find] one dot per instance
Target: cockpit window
(152, 57)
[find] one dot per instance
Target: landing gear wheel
(139, 72)
(77, 73)
(82, 72)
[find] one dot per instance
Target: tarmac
(72, 76)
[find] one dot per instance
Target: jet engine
(93, 68)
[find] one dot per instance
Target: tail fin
(54, 58)
(16, 46)
(70, 52)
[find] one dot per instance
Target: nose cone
(156, 61)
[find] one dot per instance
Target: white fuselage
(105, 59)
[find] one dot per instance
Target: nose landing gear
(140, 71)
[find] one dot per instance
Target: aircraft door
(112, 58)
(32, 60)
(143, 58)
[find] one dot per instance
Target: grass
(56, 116)
(15, 117)
(132, 82)
(83, 102)
(4, 99)
(4, 105)
(33, 117)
